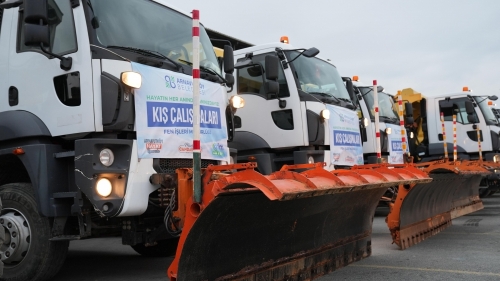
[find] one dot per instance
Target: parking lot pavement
(468, 250)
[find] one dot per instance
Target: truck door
(279, 126)
(62, 99)
(464, 127)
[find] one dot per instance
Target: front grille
(170, 165)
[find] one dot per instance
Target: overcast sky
(435, 47)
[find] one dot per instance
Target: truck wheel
(2, 240)
(164, 248)
(27, 253)
(484, 192)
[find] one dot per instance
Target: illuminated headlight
(411, 135)
(388, 131)
(106, 157)
(310, 160)
(132, 79)
(366, 122)
(104, 187)
(496, 158)
(325, 114)
(237, 102)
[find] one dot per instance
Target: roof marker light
(284, 39)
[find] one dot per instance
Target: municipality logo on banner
(345, 138)
(164, 116)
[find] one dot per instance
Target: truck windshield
(147, 25)
(316, 76)
(487, 110)
(385, 104)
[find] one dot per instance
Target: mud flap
(424, 210)
(285, 226)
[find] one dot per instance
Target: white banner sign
(164, 116)
(345, 139)
(395, 144)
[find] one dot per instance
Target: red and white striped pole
(377, 125)
(455, 156)
(445, 145)
(479, 143)
(402, 123)
(196, 108)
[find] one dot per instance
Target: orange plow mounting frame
(289, 224)
(423, 210)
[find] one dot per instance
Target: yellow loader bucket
(285, 226)
(423, 210)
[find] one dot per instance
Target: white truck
(390, 129)
(69, 166)
(291, 107)
(472, 111)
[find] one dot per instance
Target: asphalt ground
(468, 250)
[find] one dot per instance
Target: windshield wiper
(324, 95)
(148, 53)
(207, 69)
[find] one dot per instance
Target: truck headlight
(104, 187)
(325, 114)
(366, 122)
(106, 157)
(310, 160)
(388, 131)
(237, 102)
(132, 79)
(496, 158)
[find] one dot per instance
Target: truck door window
(251, 79)
(61, 26)
(458, 109)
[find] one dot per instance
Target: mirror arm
(285, 64)
(66, 63)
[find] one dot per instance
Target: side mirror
(229, 80)
(36, 29)
(311, 52)
(271, 67)
(409, 113)
(494, 97)
(350, 88)
(469, 107)
(34, 35)
(36, 12)
(228, 60)
(272, 72)
(380, 89)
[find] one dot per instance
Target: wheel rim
(17, 237)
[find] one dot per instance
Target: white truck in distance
(69, 166)
(289, 106)
(390, 129)
(472, 112)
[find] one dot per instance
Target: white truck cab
(389, 125)
(69, 165)
(472, 112)
(298, 99)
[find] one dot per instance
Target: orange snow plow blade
(423, 210)
(285, 226)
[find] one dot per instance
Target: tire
(484, 192)
(164, 248)
(34, 257)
